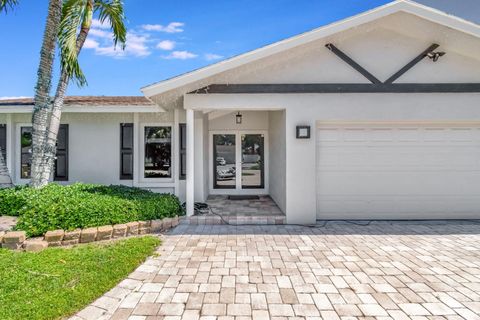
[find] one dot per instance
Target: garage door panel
(406, 182)
(353, 158)
(398, 172)
(399, 208)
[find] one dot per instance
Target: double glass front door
(238, 161)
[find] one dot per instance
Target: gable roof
(87, 101)
(428, 13)
(465, 9)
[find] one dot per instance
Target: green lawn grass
(57, 282)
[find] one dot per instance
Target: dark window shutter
(3, 141)
(183, 151)
(126, 151)
(61, 162)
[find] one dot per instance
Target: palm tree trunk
(54, 123)
(5, 180)
(42, 93)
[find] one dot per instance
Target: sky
(170, 37)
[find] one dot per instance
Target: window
(158, 152)
(25, 152)
(126, 151)
(61, 161)
(3, 141)
(183, 151)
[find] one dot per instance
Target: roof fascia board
(440, 17)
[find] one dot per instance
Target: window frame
(142, 177)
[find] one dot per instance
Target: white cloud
(136, 46)
(166, 45)
(17, 97)
(97, 24)
(100, 40)
(100, 33)
(212, 56)
(141, 41)
(90, 44)
(181, 55)
(172, 27)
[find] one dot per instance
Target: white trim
(87, 109)
(136, 143)
(141, 177)
(238, 155)
(190, 183)
(176, 146)
(422, 11)
(156, 185)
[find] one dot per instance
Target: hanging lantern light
(238, 118)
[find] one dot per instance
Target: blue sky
(166, 38)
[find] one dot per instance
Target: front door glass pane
(224, 161)
(252, 161)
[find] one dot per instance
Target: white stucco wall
(277, 163)
(94, 147)
(251, 120)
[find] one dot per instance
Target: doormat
(243, 197)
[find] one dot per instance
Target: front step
(240, 219)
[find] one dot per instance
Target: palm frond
(112, 10)
(73, 12)
(6, 4)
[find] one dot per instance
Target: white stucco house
(373, 117)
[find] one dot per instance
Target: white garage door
(398, 171)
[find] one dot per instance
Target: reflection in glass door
(224, 158)
(253, 175)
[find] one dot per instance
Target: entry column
(190, 162)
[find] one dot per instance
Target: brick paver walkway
(381, 271)
(7, 223)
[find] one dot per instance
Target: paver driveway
(381, 271)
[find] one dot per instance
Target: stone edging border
(17, 240)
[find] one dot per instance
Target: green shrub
(83, 205)
(12, 200)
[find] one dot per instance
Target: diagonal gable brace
(412, 63)
(371, 77)
(352, 63)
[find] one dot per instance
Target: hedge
(83, 205)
